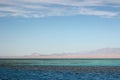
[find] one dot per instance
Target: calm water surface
(62, 62)
(60, 69)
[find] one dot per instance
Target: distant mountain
(99, 53)
(106, 51)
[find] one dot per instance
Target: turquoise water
(62, 62)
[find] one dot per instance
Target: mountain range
(99, 53)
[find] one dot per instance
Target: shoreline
(57, 58)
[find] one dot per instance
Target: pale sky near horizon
(58, 26)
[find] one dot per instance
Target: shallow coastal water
(62, 62)
(57, 69)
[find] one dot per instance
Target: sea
(60, 69)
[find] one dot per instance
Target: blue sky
(58, 26)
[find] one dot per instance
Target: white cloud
(98, 13)
(68, 2)
(44, 8)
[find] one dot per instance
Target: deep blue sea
(60, 69)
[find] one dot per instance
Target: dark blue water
(17, 70)
(15, 74)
